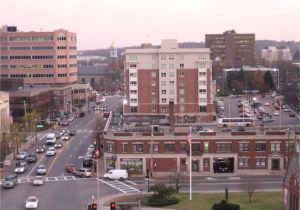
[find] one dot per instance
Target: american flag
(189, 138)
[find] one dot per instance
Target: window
(132, 57)
(171, 65)
(163, 91)
(61, 47)
(124, 147)
(202, 108)
(134, 109)
(181, 74)
(154, 108)
(163, 100)
(181, 108)
(153, 74)
(133, 100)
(181, 66)
(275, 147)
(163, 57)
(62, 65)
(202, 74)
(154, 66)
(138, 147)
(153, 57)
(196, 147)
(132, 74)
(206, 147)
(183, 147)
(260, 146)
(202, 57)
(202, 82)
(153, 83)
(171, 57)
(171, 99)
(133, 83)
(202, 90)
(154, 100)
(244, 162)
(163, 83)
(171, 83)
(171, 92)
(153, 92)
(181, 100)
(163, 109)
(223, 147)
(133, 92)
(202, 65)
(260, 161)
(155, 147)
(181, 91)
(181, 57)
(244, 147)
(288, 146)
(110, 147)
(163, 65)
(202, 100)
(132, 66)
(171, 74)
(164, 74)
(169, 147)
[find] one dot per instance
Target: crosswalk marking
(121, 186)
(47, 179)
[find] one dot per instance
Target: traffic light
(90, 207)
(94, 206)
(112, 205)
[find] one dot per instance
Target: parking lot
(283, 118)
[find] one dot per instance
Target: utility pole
(151, 162)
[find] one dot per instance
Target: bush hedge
(156, 201)
(225, 206)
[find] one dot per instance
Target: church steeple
(113, 50)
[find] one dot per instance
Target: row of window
(196, 147)
(134, 109)
(35, 75)
(36, 66)
(22, 48)
(34, 38)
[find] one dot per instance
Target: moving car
(21, 155)
(119, 174)
(267, 104)
(50, 139)
(41, 170)
(65, 137)
(40, 149)
(286, 110)
(83, 172)
(241, 128)
(104, 108)
(58, 145)
(292, 115)
(91, 148)
(70, 167)
(38, 181)
(21, 167)
(10, 181)
(31, 158)
(72, 133)
(276, 113)
(64, 123)
(32, 202)
(266, 120)
(51, 151)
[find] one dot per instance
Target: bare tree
(249, 186)
(176, 179)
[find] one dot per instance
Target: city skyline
(98, 23)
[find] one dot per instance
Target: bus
(235, 122)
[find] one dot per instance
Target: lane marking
(35, 165)
(130, 182)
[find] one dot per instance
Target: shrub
(155, 201)
(225, 206)
(162, 191)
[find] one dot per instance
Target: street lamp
(97, 171)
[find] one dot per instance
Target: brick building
(169, 79)
(231, 49)
(40, 58)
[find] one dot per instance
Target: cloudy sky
(132, 22)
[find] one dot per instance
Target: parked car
(10, 181)
(31, 158)
(292, 115)
(266, 120)
(70, 167)
(40, 149)
(51, 151)
(41, 170)
(83, 172)
(226, 130)
(38, 181)
(32, 202)
(91, 148)
(267, 104)
(87, 162)
(81, 114)
(21, 167)
(241, 128)
(21, 155)
(286, 110)
(276, 113)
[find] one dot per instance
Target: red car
(70, 167)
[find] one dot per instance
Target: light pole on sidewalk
(97, 174)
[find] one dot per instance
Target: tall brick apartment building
(40, 58)
(232, 49)
(169, 79)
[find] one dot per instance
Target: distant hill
(259, 44)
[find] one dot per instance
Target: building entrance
(275, 164)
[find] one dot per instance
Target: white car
(65, 137)
(267, 104)
(51, 151)
(21, 168)
(21, 155)
(41, 169)
(91, 148)
(32, 202)
(276, 113)
(286, 110)
(38, 181)
(206, 130)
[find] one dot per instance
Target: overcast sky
(132, 22)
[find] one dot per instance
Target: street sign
(40, 126)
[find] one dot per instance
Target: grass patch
(205, 201)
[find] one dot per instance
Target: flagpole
(190, 143)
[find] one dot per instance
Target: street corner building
(169, 81)
(291, 187)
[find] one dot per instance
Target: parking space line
(130, 182)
